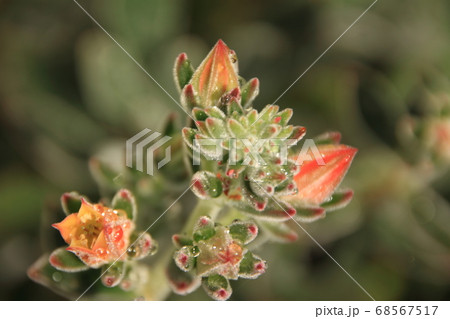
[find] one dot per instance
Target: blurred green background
(67, 92)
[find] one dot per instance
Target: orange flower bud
(96, 234)
(216, 75)
(317, 180)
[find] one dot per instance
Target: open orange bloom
(96, 234)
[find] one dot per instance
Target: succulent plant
(248, 172)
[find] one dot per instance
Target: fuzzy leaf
(216, 128)
(234, 106)
(297, 134)
(206, 185)
(251, 266)
(182, 71)
(188, 136)
(338, 200)
(113, 274)
(45, 274)
(215, 112)
(71, 202)
(204, 229)
(243, 231)
(283, 117)
(199, 114)
(250, 91)
(189, 98)
(184, 258)
(236, 129)
(252, 116)
(217, 287)
(309, 214)
(66, 261)
(182, 283)
(142, 245)
(124, 200)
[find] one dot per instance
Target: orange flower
(96, 234)
(317, 180)
(216, 75)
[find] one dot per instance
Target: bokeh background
(68, 92)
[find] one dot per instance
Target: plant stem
(157, 287)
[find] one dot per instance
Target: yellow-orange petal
(100, 246)
(67, 227)
(88, 212)
(316, 182)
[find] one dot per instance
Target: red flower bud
(318, 179)
(216, 75)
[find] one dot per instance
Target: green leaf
(286, 131)
(236, 129)
(215, 112)
(252, 116)
(204, 229)
(66, 261)
(124, 200)
(142, 245)
(243, 231)
(249, 92)
(338, 200)
(182, 71)
(216, 128)
(71, 202)
(217, 287)
(188, 136)
(184, 258)
(234, 106)
(62, 282)
(206, 185)
(189, 98)
(199, 114)
(112, 274)
(283, 117)
(309, 214)
(251, 266)
(182, 283)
